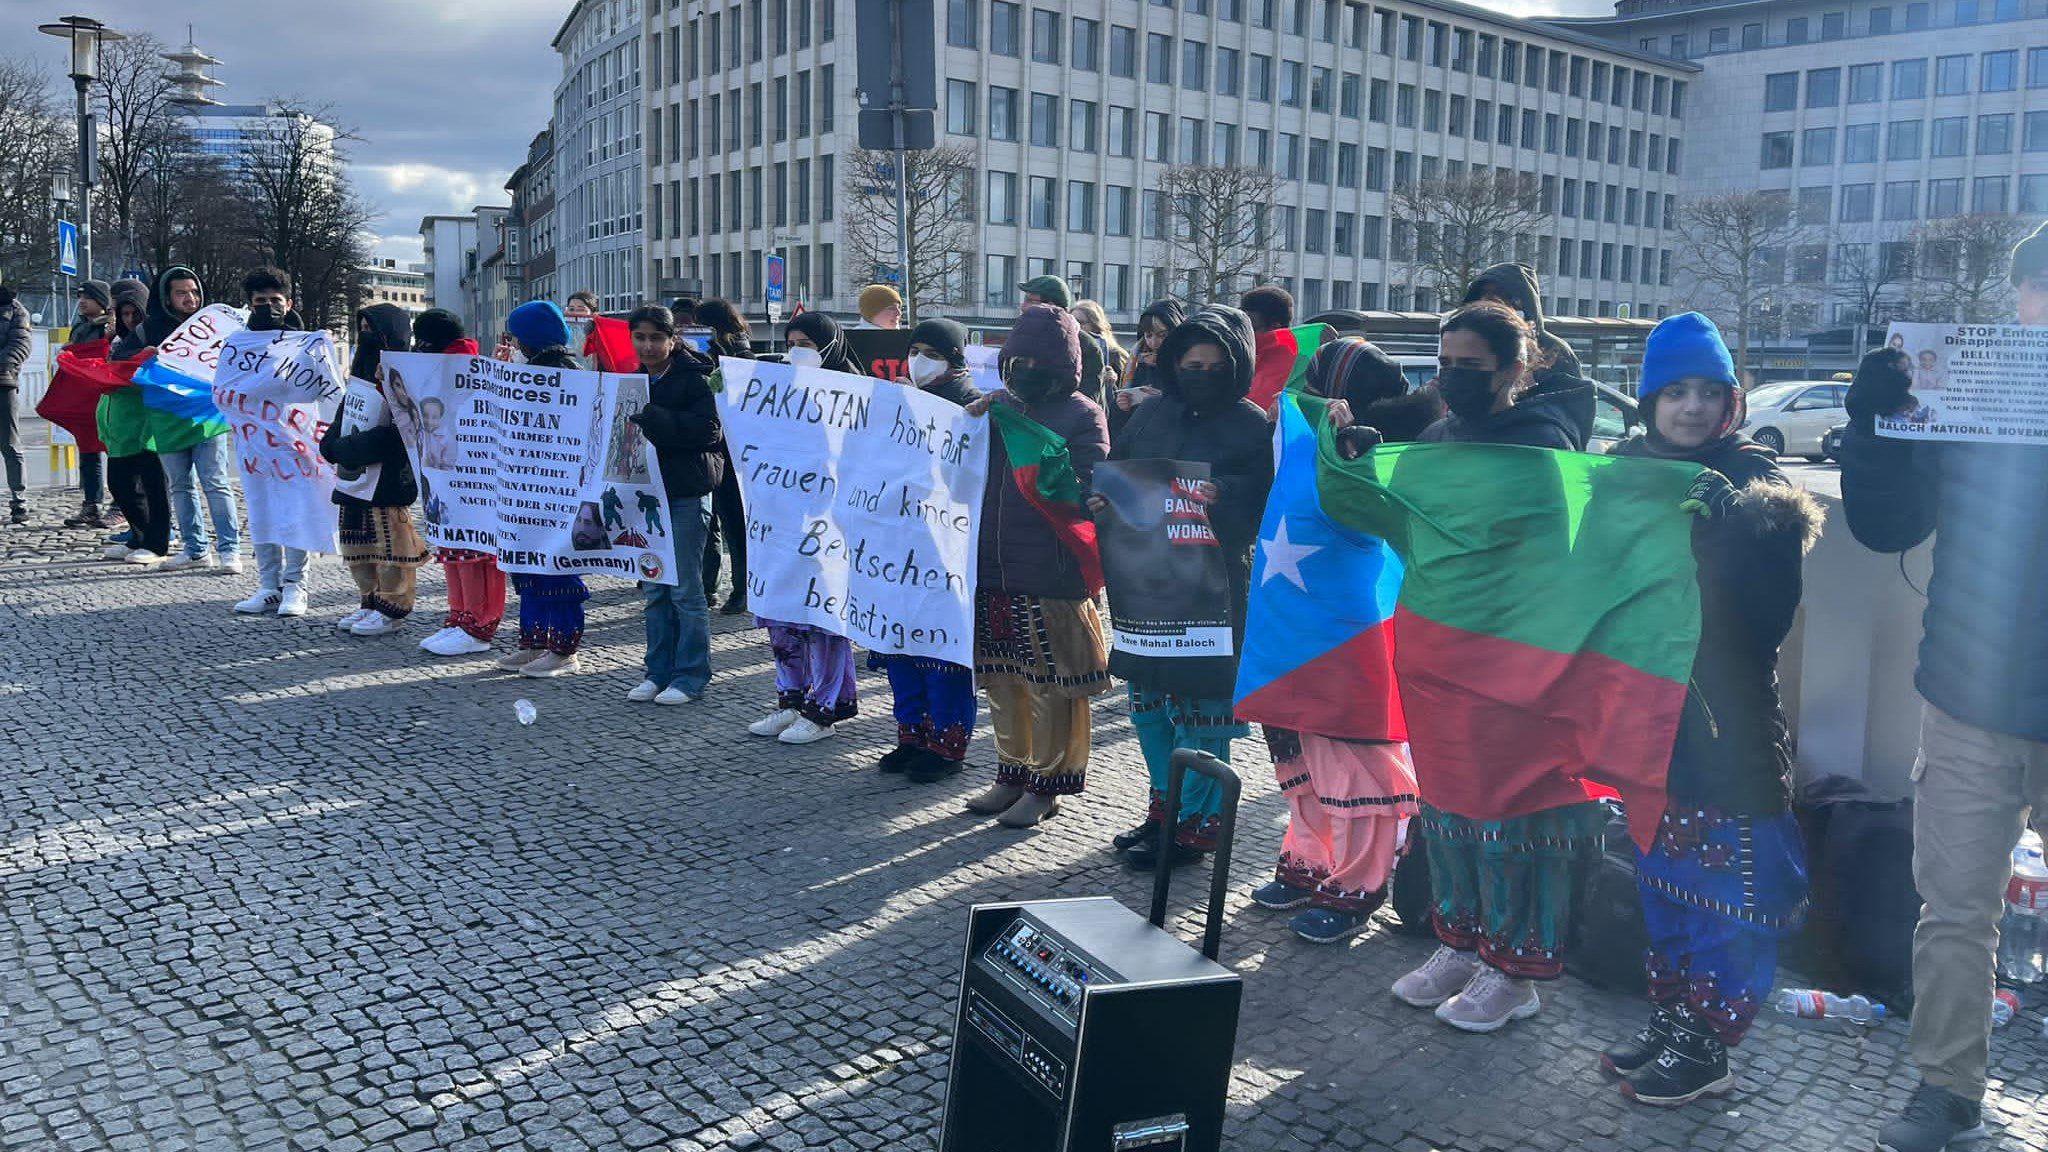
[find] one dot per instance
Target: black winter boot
(1625, 1057)
(1694, 1063)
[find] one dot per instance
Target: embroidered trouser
(476, 592)
(1165, 723)
(933, 704)
(813, 672)
(1041, 738)
(1346, 800)
(1503, 888)
(551, 612)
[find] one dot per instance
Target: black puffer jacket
(1538, 419)
(390, 330)
(1984, 656)
(1237, 444)
(1734, 749)
(1516, 284)
(681, 422)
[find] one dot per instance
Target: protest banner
(1983, 383)
(278, 391)
(362, 408)
(544, 466)
(1169, 593)
(883, 353)
(863, 505)
(981, 367)
(177, 382)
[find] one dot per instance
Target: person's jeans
(10, 442)
(1971, 791)
(678, 620)
(277, 566)
(92, 478)
(213, 462)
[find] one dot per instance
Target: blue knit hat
(538, 324)
(1683, 346)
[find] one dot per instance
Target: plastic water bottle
(2023, 931)
(1812, 1004)
(2004, 1006)
(525, 710)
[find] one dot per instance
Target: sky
(444, 94)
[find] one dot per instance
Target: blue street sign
(776, 278)
(67, 248)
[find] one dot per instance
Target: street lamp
(86, 36)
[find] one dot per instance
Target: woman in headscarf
(813, 340)
(550, 605)
(1141, 369)
(1200, 416)
(730, 337)
(135, 476)
(476, 585)
(379, 544)
(933, 699)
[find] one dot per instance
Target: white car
(1793, 418)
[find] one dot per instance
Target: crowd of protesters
(1725, 877)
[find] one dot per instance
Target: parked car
(1831, 444)
(1792, 418)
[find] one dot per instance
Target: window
(1158, 58)
(1902, 141)
(1319, 161)
(1080, 206)
(1158, 137)
(1834, 25)
(1116, 210)
(1752, 37)
(1781, 91)
(1433, 111)
(1459, 115)
(1190, 140)
(1349, 101)
(1866, 83)
(1194, 66)
(1901, 200)
(1087, 47)
(1817, 148)
(1404, 106)
(1045, 120)
(2000, 71)
(2034, 195)
(1259, 81)
(1290, 83)
(961, 101)
(1988, 195)
(1287, 161)
(1121, 132)
(1994, 134)
(1258, 146)
(1823, 87)
(1002, 113)
(1797, 30)
(1344, 234)
(1223, 145)
(1909, 79)
(1951, 75)
(1856, 203)
(1045, 36)
(1002, 197)
(1376, 101)
(1815, 205)
(1950, 136)
(1376, 169)
(1859, 144)
(1123, 51)
(2037, 132)
(1777, 150)
(1347, 165)
(1944, 198)
(963, 22)
(1315, 230)
(1319, 85)
(1043, 202)
(1004, 28)
(1228, 67)
(1116, 286)
(1000, 275)
(2037, 67)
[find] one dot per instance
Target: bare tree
(35, 145)
(1465, 224)
(940, 205)
(141, 137)
(301, 214)
(1735, 246)
(1964, 266)
(1870, 276)
(1217, 229)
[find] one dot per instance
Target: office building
(386, 282)
(486, 292)
(600, 180)
(446, 242)
(532, 187)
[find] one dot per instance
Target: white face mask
(924, 369)
(805, 358)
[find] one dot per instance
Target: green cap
(1050, 289)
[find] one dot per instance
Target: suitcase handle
(1187, 760)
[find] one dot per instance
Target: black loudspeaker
(1084, 1027)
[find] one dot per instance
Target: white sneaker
(143, 556)
(774, 723)
(349, 620)
(184, 560)
(292, 601)
(116, 552)
(427, 645)
(456, 642)
(231, 564)
(673, 695)
(1490, 1002)
(644, 691)
(806, 731)
(551, 665)
(1440, 977)
(374, 623)
(265, 600)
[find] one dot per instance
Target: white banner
(362, 408)
(280, 390)
(1986, 383)
(863, 505)
(539, 464)
(194, 347)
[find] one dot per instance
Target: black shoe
(17, 514)
(1934, 1119)
(88, 517)
(736, 605)
(898, 758)
(1639, 1049)
(1694, 1063)
(1144, 856)
(1145, 833)
(929, 768)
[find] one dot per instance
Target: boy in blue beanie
(550, 606)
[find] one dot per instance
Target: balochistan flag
(610, 346)
(1282, 360)
(1045, 475)
(177, 383)
(73, 399)
(1319, 631)
(1547, 621)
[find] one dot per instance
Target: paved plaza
(269, 886)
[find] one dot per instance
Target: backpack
(1859, 932)
(1608, 937)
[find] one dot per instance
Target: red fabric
(611, 345)
(463, 347)
(1349, 692)
(73, 400)
(1273, 356)
(1474, 700)
(1071, 523)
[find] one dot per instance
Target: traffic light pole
(897, 101)
(87, 145)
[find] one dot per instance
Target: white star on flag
(1284, 557)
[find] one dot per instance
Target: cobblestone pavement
(268, 886)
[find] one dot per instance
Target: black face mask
(1205, 388)
(1034, 385)
(268, 318)
(1467, 392)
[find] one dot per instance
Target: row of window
(1081, 47)
(1833, 26)
(1863, 265)
(725, 122)
(1944, 137)
(707, 45)
(1824, 87)
(1904, 200)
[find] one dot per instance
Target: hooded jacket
(160, 323)
(17, 339)
(100, 327)
(164, 431)
(1536, 419)
(1360, 374)
(1235, 440)
(1018, 552)
(681, 422)
(391, 331)
(1563, 376)
(121, 414)
(1733, 753)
